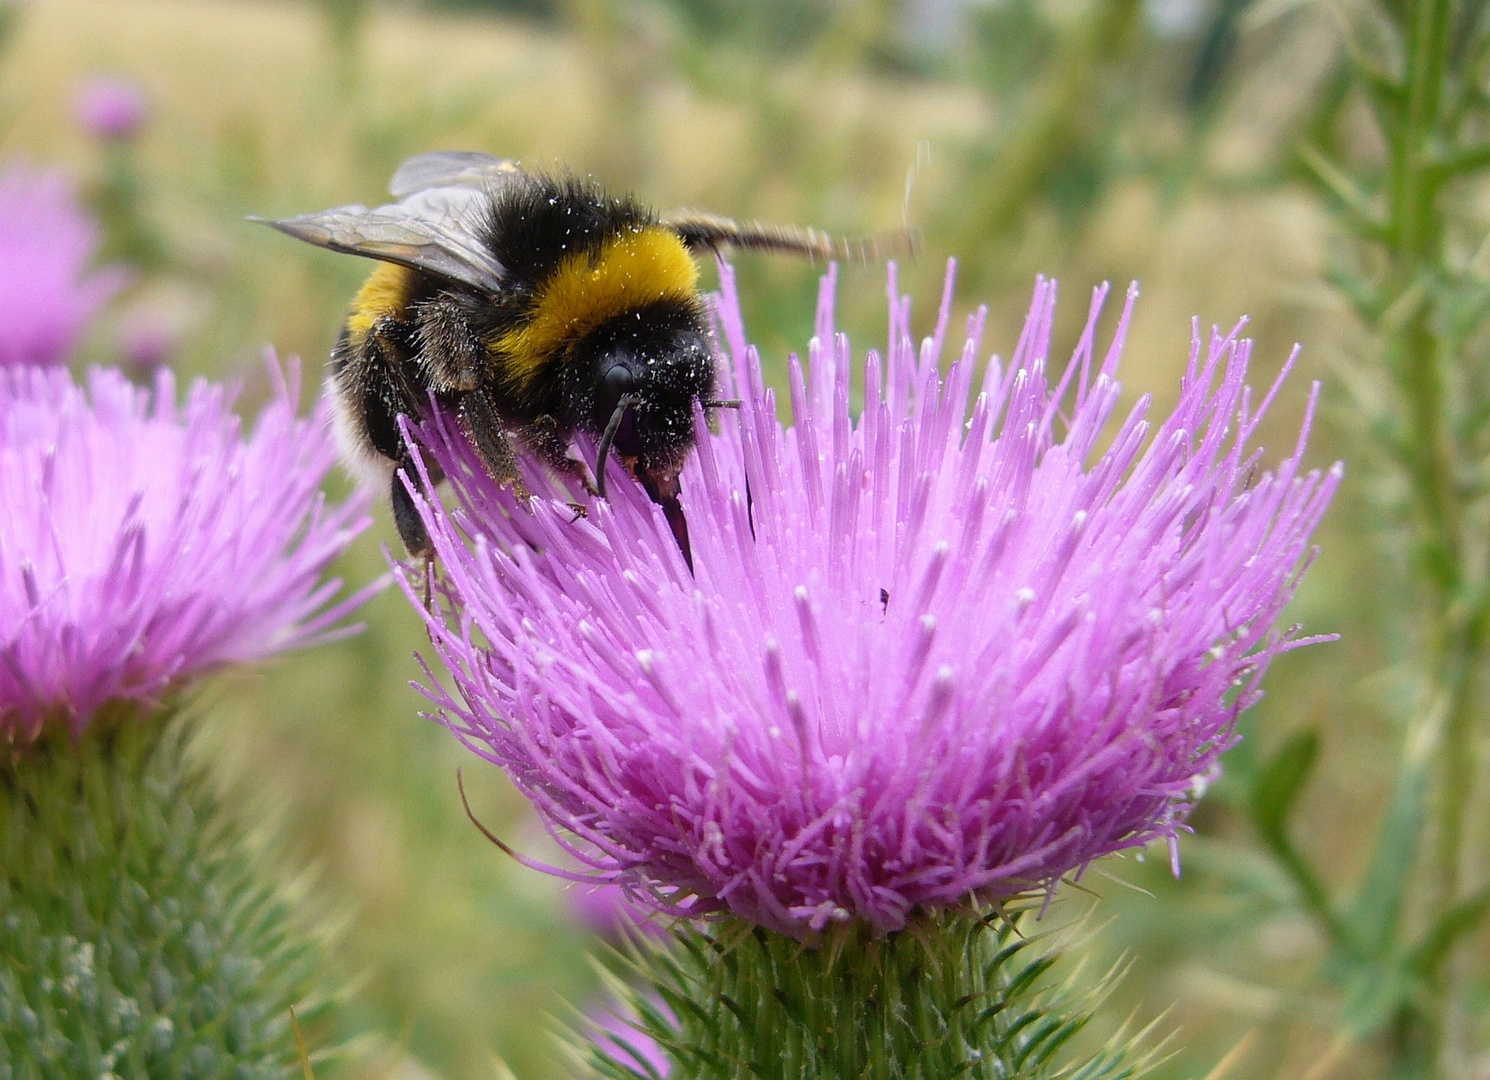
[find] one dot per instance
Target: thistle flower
(47, 292)
(947, 651)
(146, 541)
(111, 107)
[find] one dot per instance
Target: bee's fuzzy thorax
(628, 273)
(535, 225)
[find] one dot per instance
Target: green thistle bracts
(955, 995)
(135, 940)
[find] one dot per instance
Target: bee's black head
(649, 366)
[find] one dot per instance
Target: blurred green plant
(1058, 150)
(118, 198)
(345, 22)
(1417, 273)
(10, 16)
(540, 10)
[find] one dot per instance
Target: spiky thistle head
(948, 649)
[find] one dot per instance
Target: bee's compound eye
(618, 381)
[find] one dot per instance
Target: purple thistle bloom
(111, 107)
(146, 540)
(948, 650)
(47, 293)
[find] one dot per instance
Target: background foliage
(1236, 157)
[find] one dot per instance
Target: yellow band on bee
(631, 270)
(385, 292)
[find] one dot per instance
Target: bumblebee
(530, 306)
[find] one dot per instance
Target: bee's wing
(701, 231)
(452, 168)
(435, 231)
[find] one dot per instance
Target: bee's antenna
(718, 403)
(627, 400)
(922, 159)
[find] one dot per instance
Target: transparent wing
(452, 168)
(434, 230)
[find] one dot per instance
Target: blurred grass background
(1086, 139)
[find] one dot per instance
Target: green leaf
(1463, 918)
(1359, 212)
(1281, 780)
(1273, 796)
(1453, 162)
(1373, 995)
(1375, 913)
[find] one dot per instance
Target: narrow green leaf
(1273, 795)
(1281, 780)
(1458, 162)
(1376, 911)
(1373, 994)
(1465, 917)
(1357, 205)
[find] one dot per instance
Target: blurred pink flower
(47, 292)
(146, 541)
(605, 910)
(146, 346)
(111, 107)
(613, 1028)
(146, 343)
(948, 649)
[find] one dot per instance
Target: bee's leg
(414, 535)
(483, 426)
(453, 360)
(449, 350)
(406, 517)
(550, 443)
(376, 384)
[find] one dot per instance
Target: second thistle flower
(948, 650)
(148, 540)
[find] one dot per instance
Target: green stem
(1436, 455)
(1415, 353)
(1457, 756)
(1414, 195)
(1430, 120)
(1415, 236)
(1457, 641)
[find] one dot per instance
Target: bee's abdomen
(386, 293)
(373, 371)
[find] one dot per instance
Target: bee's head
(649, 371)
